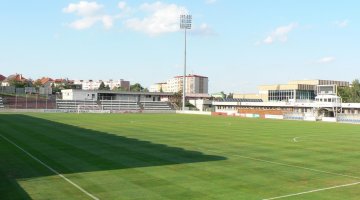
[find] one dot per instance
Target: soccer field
(157, 156)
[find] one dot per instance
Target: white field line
(295, 139)
(312, 191)
(305, 168)
(51, 169)
(293, 166)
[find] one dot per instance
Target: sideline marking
(312, 191)
(51, 169)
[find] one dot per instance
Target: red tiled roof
(17, 77)
(2, 77)
(59, 80)
(44, 80)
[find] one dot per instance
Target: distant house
(2, 78)
(46, 81)
(59, 82)
(14, 77)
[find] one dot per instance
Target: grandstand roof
(124, 92)
(239, 100)
(197, 95)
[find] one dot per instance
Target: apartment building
(95, 84)
(195, 84)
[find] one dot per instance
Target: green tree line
(350, 94)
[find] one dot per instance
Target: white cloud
(161, 18)
(324, 60)
(210, 1)
(151, 18)
(107, 21)
(83, 8)
(122, 5)
(280, 34)
(90, 13)
(342, 24)
(84, 23)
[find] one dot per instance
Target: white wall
(79, 95)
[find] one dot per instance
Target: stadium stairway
(118, 105)
(1, 103)
(75, 105)
(156, 105)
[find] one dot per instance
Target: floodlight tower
(185, 24)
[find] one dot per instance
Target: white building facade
(95, 84)
(195, 84)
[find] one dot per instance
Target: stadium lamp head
(185, 21)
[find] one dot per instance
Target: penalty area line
(312, 191)
(51, 169)
(290, 165)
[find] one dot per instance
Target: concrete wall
(193, 112)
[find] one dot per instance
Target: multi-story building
(195, 84)
(95, 84)
(158, 87)
(303, 90)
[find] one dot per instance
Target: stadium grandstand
(122, 101)
(325, 106)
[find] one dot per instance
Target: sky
(237, 44)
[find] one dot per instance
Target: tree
(107, 87)
(55, 89)
(223, 94)
(230, 96)
(177, 98)
(344, 93)
(136, 87)
(102, 86)
(350, 94)
(18, 84)
(120, 89)
(355, 91)
(37, 83)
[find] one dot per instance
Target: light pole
(185, 23)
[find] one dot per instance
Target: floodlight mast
(185, 23)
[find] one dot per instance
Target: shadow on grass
(71, 149)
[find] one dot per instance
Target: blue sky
(237, 44)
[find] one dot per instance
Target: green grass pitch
(168, 156)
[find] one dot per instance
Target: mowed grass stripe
(221, 176)
(50, 168)
(103, 147)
